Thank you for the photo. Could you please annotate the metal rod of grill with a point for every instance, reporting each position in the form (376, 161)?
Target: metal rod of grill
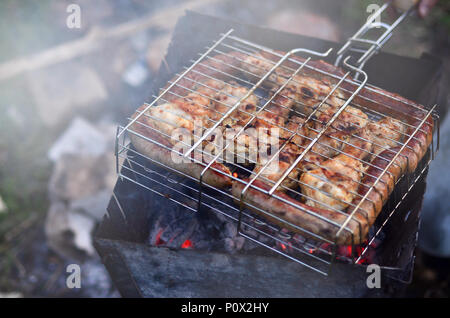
(375, 45)
(351, 215)
(177, 80)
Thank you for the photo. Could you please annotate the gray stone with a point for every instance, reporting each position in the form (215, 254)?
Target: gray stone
(230, 229)
(69, 232)
(80, 138)
(229, 245)
(93, 205)
(63, 89)
(76, 177)
(3, 207)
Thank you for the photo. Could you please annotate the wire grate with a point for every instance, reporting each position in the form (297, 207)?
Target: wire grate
(319, 115)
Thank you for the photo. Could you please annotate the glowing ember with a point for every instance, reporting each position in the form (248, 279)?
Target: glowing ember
(187, 244)
(158, 240)
(347, 252)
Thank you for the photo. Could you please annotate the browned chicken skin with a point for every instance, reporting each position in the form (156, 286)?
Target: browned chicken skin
(329, 173)
(290, 141)
(306, 93)
(331, 170)
(335, 183)
(385, 133)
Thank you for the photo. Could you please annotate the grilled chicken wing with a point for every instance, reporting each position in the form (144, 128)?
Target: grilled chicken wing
(290, 141)
(185, 119)
(242, 129)
(335, 182)
(385, 133)
(306, 93)
(328, 146)
(171, 127)
(227, 97)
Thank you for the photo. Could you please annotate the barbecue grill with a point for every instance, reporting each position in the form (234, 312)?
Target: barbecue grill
(315, 251)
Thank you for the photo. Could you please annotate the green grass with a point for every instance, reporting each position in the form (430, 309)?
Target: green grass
(26, 27)
(24, 170)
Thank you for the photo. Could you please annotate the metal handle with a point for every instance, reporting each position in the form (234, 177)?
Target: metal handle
(367, 47)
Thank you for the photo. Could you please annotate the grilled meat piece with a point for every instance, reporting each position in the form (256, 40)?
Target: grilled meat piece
(286, 148)
(335, 182)
(227, 97)
(335, 172)
(329, 145)
(306, 94)
(385, 133)
(177, 124)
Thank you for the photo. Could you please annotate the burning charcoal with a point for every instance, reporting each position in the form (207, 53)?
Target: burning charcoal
(265, 239)
(249, 245)
(221, 218)
(229, 245)
(299, 238)
(230, 230)
(179, 231)
(200, 244)
(239, 242)
(172, 230)
(249, 231)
